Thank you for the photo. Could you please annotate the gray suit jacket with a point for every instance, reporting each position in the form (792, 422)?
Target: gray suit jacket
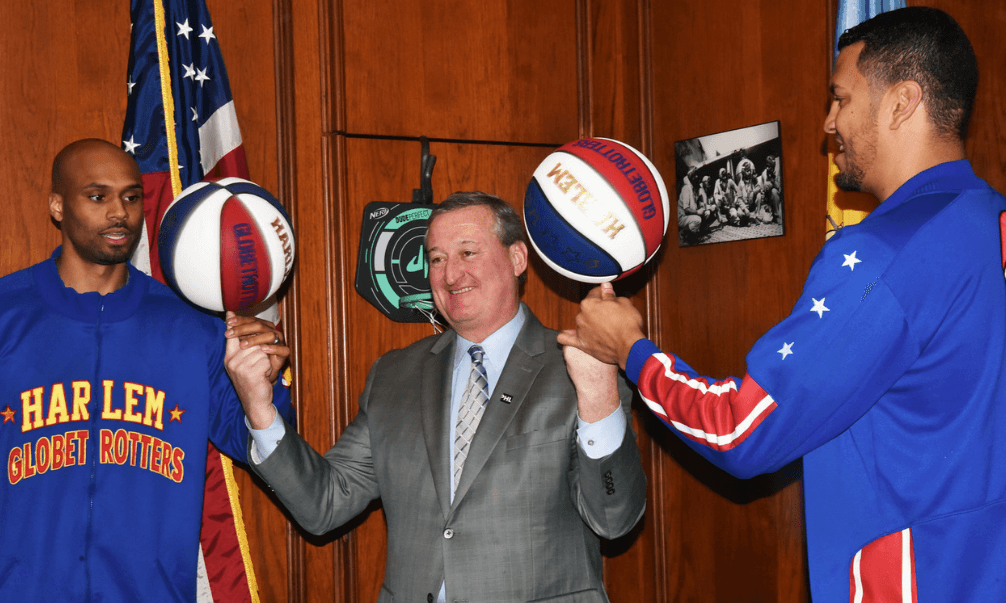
(530, 508)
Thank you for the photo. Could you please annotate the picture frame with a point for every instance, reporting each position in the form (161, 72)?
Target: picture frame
(730, 186)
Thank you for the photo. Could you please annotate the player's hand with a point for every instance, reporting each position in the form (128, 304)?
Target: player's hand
(595, 383)
(249, 331)
(606, 327)
(248, 368)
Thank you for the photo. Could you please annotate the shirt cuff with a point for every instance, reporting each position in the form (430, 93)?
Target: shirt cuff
(601, 438)
(264, 441)
(638, 355)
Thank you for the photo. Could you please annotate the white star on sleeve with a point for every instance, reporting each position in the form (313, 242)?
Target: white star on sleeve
(207, 34)
(130, 145)
(201, 76)
(190, 70)
(851, 260)
(787, 349)
(183, 29)
(819, 307)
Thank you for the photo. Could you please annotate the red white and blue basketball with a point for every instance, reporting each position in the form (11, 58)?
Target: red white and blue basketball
(596, 210)
(225, 245)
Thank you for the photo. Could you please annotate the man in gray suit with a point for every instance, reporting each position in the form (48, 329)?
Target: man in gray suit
(498, 470)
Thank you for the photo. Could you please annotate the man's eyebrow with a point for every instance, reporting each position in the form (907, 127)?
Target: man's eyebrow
(100, 186)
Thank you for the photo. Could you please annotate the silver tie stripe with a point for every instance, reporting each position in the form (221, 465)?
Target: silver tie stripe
(473, 404)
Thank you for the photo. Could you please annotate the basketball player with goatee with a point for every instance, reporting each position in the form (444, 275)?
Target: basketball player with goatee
(889, 376)
(110, 388)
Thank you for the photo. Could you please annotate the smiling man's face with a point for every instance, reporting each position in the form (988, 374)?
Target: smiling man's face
(852, 120)
(474, 277)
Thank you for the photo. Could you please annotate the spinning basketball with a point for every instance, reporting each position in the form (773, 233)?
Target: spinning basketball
(225, 244)
(596, 210)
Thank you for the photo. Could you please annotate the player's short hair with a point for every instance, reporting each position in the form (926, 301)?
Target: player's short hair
(923, 45)
(59, 176)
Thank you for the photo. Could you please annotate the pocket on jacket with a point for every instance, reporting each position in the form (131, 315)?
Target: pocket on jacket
(592, 595)
(535, 438)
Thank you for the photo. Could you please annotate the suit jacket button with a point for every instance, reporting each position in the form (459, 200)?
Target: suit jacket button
(429, 598)
(448, 533)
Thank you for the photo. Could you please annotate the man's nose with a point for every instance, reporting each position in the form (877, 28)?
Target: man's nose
(829, 120)
(115, 208)
(452, 270)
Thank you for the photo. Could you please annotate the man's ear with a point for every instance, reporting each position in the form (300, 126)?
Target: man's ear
(56, 206)
(907, 96)
(518, 257)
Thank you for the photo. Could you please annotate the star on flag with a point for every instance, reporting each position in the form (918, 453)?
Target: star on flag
(184, 29)
(207, 34)
(851, 260)
(787, 349)
(201, 76)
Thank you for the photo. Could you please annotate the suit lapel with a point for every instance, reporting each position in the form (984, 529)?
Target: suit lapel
(519, 372)
(435, 397)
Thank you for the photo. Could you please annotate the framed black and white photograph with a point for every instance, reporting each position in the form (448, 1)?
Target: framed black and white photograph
(729, 186)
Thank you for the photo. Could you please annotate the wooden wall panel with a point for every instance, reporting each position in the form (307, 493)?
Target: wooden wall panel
(503, 70)
(719, 66)
(58, 84)
(311, 188)
(615, 49)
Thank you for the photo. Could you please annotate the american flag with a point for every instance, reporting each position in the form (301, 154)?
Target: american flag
(181, 127)
(180, 121)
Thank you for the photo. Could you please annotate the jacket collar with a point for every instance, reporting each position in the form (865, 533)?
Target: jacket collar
(88, 307)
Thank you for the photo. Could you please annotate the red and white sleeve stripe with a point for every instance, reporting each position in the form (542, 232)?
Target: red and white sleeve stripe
(884, 571)
(719, 414)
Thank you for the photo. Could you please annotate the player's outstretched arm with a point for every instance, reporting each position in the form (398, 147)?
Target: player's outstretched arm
(606, 327)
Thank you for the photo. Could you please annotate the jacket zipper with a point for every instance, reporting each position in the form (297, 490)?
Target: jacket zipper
(93, 486)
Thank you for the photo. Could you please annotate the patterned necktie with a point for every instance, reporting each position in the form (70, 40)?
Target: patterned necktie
(473, 404)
